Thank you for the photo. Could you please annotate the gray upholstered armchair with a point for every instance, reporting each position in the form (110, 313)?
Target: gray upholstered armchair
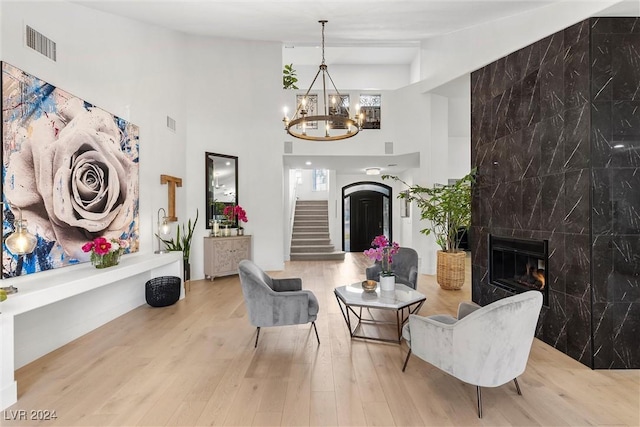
(484, 346)
(276, 302)
(404, 266)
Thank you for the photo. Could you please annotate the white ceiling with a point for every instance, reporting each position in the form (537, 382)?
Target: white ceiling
(394, 27)
(351, 22)
(358, 32)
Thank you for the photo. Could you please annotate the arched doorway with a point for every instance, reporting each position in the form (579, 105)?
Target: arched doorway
(366, 213)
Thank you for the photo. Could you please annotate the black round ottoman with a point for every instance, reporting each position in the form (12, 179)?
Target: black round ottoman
(162, 291)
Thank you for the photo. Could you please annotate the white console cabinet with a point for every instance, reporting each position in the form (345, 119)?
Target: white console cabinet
(223, 254)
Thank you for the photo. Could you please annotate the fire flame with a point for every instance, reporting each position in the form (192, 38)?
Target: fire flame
(539, 276)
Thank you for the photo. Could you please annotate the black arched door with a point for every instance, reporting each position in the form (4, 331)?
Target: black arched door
(366, 210)
(366, 219)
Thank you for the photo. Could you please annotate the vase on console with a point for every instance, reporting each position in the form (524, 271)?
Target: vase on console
(105, 253)
(104, 261)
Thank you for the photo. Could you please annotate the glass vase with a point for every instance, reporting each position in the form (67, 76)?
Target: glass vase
(107, 260)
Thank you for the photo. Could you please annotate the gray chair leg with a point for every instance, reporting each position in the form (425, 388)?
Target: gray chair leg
(257, 335)
(479, 393)
(316, 329)
(406, 360)
(515, 380)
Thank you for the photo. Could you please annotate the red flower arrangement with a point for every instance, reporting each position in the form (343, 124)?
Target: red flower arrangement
(105, 253)
(233, 212)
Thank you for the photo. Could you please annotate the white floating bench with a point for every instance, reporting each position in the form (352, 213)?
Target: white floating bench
(55, 307)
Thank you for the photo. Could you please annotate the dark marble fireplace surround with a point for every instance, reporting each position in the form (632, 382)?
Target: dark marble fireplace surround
(556, 140)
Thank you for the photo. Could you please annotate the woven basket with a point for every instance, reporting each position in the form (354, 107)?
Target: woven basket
(450, 272)
(162, 291)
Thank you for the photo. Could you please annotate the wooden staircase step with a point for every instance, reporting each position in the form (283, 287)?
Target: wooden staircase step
(310, 241)
(318, 256)
(310, 235)
(311, 249)
(310, 223)
(309, 228)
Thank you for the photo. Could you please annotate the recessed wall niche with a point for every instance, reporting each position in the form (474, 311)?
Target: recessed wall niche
(556, 140)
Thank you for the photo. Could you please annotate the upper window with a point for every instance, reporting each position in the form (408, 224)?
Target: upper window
(370, 110)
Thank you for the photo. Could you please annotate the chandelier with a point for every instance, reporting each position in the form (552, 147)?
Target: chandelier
(335, 126)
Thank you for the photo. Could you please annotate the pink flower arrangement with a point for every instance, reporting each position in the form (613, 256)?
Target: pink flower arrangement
(231, 212)
(105, 253)
(383, 251)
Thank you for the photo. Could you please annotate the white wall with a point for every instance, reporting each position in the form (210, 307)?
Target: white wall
(132, 70)
(459, 157)
(305, 191)
(233, 102)
(137, 75)
(364, 77)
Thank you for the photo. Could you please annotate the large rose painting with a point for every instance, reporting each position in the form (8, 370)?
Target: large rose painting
(70, 167)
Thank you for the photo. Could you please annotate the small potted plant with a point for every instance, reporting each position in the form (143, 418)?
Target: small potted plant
(182, 242)
(448, 210)
(383, 252)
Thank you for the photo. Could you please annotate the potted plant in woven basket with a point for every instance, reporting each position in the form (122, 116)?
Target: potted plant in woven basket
(448, 210)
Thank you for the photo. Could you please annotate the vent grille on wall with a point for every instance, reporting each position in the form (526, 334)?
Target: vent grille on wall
(40, 43)
(171, 123)
(288, 147)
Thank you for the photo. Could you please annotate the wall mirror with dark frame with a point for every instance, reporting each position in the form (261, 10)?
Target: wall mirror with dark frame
(221, 174)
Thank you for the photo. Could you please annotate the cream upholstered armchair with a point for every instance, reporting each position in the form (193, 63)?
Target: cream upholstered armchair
(276, 302)
(404, 267)
(484, 346)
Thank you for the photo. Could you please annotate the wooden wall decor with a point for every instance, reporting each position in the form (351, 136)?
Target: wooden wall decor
(173, 182)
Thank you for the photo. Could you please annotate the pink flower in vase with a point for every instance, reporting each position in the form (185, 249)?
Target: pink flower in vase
(383, 251)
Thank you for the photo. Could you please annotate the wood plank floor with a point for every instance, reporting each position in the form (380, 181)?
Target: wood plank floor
(194, 364)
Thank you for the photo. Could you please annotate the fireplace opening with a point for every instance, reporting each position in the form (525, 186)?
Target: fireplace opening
(519, 265)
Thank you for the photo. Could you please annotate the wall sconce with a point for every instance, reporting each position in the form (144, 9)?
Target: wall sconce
(163, 230)
(20, 242)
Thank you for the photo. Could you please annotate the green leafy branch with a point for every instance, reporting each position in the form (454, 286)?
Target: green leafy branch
(446, 207)
(289, 78)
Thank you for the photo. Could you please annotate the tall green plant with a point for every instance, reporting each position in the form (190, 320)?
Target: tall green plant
(182, 242)
(289, 78)
(446, 207)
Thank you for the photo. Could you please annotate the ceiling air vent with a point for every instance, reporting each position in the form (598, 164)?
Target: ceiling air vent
(171, 123)
(41, 44)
